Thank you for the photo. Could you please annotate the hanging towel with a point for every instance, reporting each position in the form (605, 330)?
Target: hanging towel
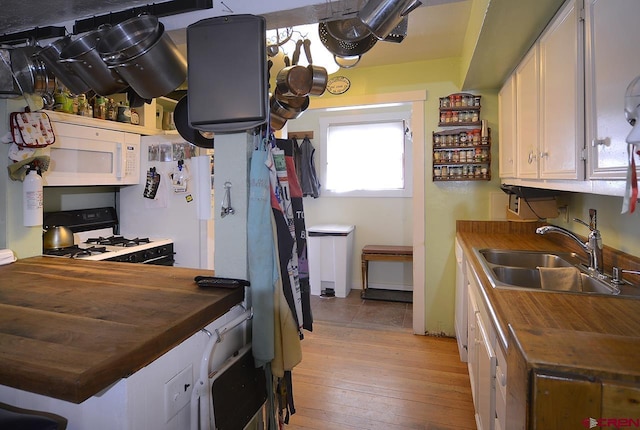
(290, 148)
(263, 269)
(560, 278)
(309, 182)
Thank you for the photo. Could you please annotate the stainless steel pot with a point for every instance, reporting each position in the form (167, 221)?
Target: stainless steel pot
(319, 75)
(382, 16)
(155, 71)
(57, 237)
(82, 56)
(50, 56)
(129, 38)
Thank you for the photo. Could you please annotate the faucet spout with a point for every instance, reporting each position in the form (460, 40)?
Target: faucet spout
(593, 246)
(555, 229)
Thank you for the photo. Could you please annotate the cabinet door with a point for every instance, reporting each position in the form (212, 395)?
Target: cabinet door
(507, 132)
(563, 402)
(472, 344)
(486, 377)
(561, 112)
(461, 325)
(612, 62)
(527, 119)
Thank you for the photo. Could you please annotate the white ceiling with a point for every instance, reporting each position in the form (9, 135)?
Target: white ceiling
(441, 23)
(436, 29)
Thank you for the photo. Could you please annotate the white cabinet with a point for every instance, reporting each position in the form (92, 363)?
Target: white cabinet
(507, 131)
(613, 60)
(460, 321)
(481, 357)
(561, 103)
(548, 102)
(527, 115)
(486, 360)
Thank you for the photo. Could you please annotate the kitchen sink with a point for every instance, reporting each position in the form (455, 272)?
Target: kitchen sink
(529, 259)
(518, 269)
(516, 277)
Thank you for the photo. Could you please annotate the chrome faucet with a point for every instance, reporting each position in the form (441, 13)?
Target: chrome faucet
(593, 246)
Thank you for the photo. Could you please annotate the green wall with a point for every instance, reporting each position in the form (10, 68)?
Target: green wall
(444, 202)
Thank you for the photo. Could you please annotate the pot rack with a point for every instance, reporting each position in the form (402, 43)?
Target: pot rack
(168, 8)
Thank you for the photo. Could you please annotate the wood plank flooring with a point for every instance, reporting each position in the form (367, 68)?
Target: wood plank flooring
(377, 375)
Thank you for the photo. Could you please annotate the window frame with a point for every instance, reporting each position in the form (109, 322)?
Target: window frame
(382, 114)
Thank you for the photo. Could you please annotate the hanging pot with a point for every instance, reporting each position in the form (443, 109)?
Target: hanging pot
(155, 71)
(294, 80)
(57, 237)
(50, 56)
(202, 139)
(129, 38)
(277, 122)
(286, 111)
(382, 16)
(343, 48)
(82, 56)
(319, 75)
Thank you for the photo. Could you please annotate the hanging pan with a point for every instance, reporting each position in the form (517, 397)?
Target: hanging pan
(202, 139)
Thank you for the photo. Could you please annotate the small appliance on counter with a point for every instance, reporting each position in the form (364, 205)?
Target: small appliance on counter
(94, 239)
(530, 204)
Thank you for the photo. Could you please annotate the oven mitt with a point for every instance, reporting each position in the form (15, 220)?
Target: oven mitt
(213, 281)
(18, 171)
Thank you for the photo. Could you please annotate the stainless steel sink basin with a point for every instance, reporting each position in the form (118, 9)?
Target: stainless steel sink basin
(518, 269)
(515, 277)
(529, 259)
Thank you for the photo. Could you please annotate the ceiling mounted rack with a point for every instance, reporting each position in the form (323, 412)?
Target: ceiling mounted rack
(33, 34)
(168, 8)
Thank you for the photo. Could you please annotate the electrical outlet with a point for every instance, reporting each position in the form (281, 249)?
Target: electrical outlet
(177, 392)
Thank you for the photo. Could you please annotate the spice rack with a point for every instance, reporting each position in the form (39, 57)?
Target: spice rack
(463, 153)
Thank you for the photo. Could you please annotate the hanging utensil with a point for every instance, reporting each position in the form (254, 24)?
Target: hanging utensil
(226, 201)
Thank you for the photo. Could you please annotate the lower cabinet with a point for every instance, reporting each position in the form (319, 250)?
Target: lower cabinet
(485, 361)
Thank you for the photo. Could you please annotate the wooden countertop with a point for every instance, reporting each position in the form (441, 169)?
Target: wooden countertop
(584, 333)
(70, 328)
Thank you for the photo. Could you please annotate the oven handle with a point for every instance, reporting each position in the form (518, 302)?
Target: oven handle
(168, 258)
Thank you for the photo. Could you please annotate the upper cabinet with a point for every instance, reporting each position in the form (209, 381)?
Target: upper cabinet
(507, 131)
(569, 100)
(548, 102)
(561, 104)
(612, 36)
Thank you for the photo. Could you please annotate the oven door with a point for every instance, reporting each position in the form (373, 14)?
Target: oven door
(90, 156)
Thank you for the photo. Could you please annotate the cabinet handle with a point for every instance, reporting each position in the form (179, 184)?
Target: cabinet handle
(544, 154)
(501, 377)
(531, 158)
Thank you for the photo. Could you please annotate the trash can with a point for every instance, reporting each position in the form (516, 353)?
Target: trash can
(330, 259)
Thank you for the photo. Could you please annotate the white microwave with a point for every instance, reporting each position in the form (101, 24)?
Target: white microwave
(83, 155)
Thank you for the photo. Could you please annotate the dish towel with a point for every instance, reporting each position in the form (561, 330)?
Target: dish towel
(560, 278)
(6, 256)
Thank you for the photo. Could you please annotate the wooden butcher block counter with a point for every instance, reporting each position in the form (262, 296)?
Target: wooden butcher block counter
(595, 334)
(70, 328)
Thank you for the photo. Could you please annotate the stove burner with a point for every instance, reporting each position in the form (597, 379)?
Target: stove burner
(118, 241)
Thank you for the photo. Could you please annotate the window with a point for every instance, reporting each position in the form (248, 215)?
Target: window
(366, 155)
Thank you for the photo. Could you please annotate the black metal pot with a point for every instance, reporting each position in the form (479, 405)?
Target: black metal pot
(82, 56)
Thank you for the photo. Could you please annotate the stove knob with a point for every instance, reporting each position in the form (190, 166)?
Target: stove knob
(132, 258)
(148, 255)
(162, 250)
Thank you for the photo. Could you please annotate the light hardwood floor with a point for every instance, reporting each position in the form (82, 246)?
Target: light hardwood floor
(377, 375)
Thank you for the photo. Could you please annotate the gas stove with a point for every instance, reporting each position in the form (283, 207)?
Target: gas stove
(95, 239)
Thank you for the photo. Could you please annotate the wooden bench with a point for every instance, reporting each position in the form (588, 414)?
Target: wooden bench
(382, 253)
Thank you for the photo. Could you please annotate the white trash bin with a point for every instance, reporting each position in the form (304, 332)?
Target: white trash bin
(330, 257)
